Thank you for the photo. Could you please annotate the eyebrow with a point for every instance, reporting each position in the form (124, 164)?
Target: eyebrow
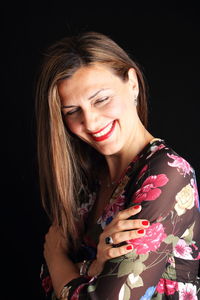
(96, 93)
(92, 96)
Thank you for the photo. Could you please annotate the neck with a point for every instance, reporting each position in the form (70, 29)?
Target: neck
(117, 163)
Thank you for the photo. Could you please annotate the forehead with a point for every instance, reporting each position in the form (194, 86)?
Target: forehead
(87, 79)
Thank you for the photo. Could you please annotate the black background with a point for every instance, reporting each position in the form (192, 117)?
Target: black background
(162, 37)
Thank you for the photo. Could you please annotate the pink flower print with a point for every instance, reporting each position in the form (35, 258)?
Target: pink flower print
(182, 250)
(86, 207)
(118, 204)
(180, 163)
(154, 149)
(194, 246)
(149, 189)
(187, 291)
(114, 207)
(76, 293)
(47, 284)
(198, 257)
(144, 169)
(196, 195)
(167, 286)
(196, 249)
(111, 210)
(151, 241)
(171, 261)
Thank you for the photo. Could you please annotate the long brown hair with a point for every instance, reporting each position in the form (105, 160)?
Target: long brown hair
(64, 160)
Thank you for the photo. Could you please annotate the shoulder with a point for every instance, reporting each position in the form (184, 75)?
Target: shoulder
(162, 171)
(162, 156)
(164, 182)
(159, 164)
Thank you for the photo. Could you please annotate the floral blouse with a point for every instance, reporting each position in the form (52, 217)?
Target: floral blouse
(164, 262)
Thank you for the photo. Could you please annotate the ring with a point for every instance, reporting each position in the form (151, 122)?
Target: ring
(109, 240)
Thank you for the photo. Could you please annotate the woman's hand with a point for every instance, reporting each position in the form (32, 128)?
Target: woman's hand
(55, 244)
(60, 267)
(120, 230)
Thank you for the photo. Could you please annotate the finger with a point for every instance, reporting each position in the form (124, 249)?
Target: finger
(125, 214)
(120, 237)
(124, 225)
(116, 252)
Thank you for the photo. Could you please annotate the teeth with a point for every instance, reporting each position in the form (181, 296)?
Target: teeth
(103, 132)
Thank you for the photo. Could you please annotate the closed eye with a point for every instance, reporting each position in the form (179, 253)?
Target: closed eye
(72, 111)
(101, 100)
(77, 109)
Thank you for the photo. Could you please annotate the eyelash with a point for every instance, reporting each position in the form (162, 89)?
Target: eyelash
(69, 113)
(101, 100)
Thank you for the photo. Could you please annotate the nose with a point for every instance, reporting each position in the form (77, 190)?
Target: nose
(89, 120)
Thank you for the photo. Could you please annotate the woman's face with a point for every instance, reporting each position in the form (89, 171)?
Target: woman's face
(99, 107)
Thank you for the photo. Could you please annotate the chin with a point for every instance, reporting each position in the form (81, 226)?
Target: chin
(109, 150)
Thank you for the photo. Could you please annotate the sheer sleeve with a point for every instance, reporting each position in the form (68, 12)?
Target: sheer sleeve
(166, 188)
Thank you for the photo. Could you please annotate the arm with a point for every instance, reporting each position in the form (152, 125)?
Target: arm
(167, 196)
(161, 189)
(62, 270)
(60, 267)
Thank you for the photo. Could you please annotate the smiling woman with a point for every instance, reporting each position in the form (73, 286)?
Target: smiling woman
(124, 206)
(107, 120)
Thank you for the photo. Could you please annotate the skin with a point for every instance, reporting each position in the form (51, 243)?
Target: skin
(63, 270)
(92, 99)
(87, 116)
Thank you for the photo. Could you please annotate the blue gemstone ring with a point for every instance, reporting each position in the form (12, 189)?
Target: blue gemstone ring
(109, 240)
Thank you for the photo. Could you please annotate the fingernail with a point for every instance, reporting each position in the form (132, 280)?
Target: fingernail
(129, 247)
(136, 206)
(140, 231)
(145, 223)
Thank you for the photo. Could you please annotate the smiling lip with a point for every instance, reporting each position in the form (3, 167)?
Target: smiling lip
(106, 135)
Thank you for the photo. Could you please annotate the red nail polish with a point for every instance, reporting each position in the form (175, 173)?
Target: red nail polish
(140, 231)
(130, 247)
(136, 206)
(145, 223)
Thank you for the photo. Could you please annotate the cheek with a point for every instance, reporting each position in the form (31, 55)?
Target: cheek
(122, 110)
(72, 126)
(116, 110)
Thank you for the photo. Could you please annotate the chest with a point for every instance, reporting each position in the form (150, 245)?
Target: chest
(103, 197)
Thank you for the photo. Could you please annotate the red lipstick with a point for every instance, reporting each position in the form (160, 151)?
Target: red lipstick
(105, 136)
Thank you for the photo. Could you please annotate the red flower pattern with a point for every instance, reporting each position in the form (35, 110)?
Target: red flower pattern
(149, 189)
(167, 286)
(151, 241)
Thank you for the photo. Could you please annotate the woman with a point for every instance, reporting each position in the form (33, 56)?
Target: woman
(123, 204)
